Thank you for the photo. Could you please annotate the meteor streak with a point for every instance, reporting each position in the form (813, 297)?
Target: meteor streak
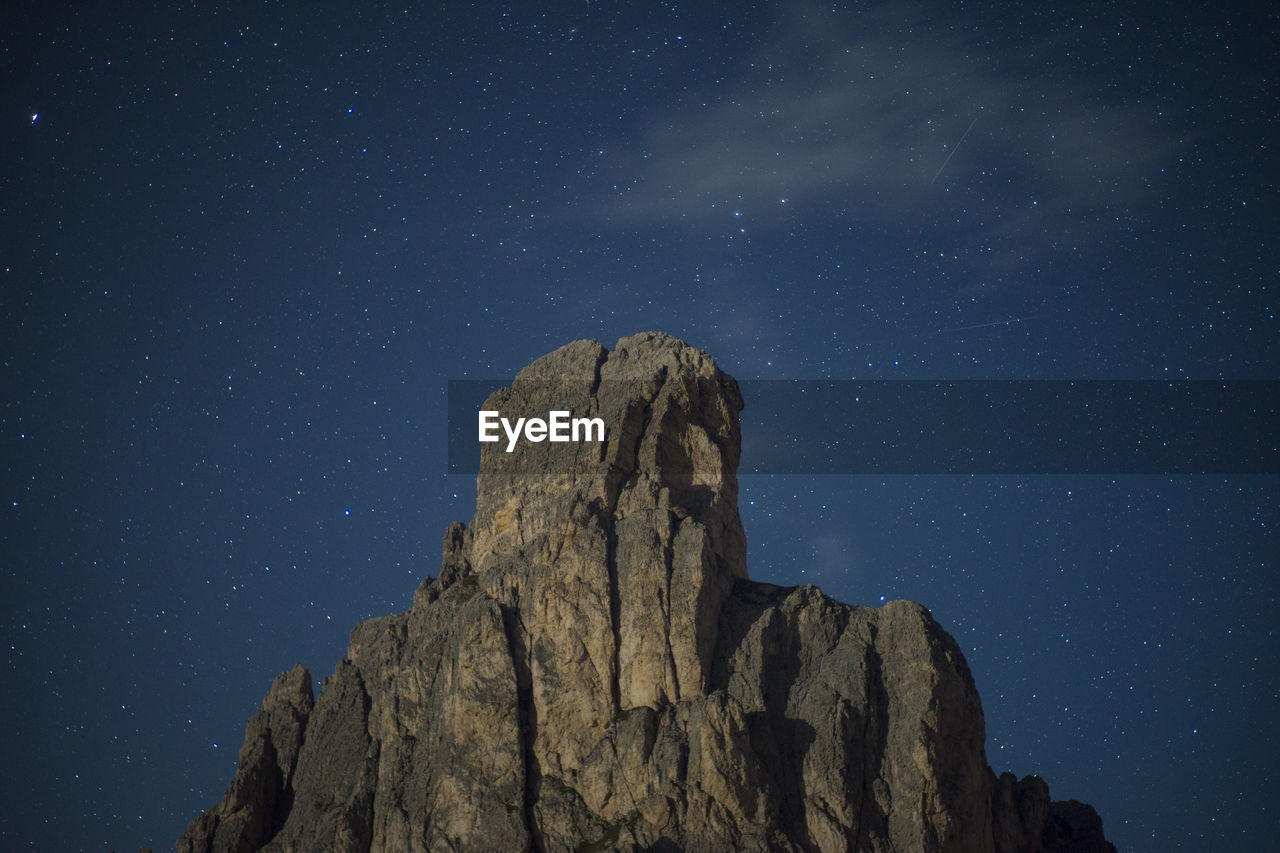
(953, 150)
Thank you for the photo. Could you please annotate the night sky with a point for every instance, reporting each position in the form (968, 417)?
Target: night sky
(244, 247)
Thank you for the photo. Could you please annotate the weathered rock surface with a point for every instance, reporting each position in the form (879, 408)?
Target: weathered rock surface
(593, 670)
(260, 798)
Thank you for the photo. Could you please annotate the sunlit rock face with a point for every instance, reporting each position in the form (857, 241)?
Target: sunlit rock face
(593, 669)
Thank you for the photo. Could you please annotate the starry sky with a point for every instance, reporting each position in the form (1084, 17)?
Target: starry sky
(245, 246)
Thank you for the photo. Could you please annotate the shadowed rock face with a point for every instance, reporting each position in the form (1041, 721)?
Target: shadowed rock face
(592, 670)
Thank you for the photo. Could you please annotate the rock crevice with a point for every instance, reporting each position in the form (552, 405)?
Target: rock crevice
(592, 669)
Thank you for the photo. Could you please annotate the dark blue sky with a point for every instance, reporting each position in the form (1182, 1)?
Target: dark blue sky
(245, 246)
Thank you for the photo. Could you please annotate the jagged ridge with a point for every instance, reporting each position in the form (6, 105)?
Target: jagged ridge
(592, 669)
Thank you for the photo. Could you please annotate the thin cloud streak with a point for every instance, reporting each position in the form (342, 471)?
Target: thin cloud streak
(863, 118)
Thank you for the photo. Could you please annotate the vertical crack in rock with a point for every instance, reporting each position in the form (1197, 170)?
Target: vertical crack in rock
(593, 669)
(527, 723)
(664, 599)
(601, 356)
(874, 724)
(615, 606)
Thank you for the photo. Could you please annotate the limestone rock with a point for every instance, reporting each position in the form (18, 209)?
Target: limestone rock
(260, 798)
(592, 669)
(1075, 827)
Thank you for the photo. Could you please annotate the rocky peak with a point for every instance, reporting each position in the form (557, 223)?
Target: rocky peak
(592, 669)
(671, 448)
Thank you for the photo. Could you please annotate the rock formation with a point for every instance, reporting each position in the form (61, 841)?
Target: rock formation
(593, 670)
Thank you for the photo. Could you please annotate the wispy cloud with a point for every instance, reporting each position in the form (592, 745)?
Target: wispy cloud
(865, 117)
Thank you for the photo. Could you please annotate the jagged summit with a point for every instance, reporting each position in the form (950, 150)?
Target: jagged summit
(592, 669)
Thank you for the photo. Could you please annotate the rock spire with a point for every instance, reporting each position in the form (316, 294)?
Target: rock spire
(592, 669)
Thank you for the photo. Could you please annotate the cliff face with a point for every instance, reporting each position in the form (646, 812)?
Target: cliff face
(592, 670)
